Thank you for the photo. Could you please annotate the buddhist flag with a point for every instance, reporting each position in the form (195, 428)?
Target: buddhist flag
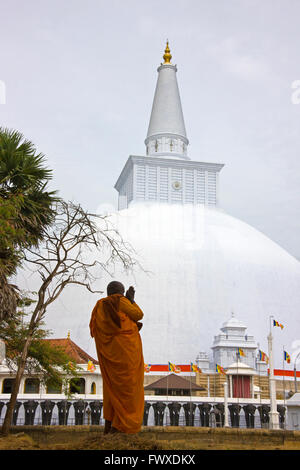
(220, 369)
(91, 367)
(173, 368)
(262, 356)
(71, 365)
(147, 367)
(240, 352)
(275, 323)
(194, 368)
(286, 357)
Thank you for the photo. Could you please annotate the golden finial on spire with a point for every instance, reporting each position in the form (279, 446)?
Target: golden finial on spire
(68, 334)
(167, 56)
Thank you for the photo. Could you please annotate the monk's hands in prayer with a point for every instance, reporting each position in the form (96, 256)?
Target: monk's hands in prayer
(130, 294)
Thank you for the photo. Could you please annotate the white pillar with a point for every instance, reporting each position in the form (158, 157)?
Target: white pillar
(43, 388)
(273, 415)
(230, 385)
(252, 386)
(226, 421)
(22, 385)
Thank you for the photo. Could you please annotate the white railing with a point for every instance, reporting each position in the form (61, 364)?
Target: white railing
(164, 418)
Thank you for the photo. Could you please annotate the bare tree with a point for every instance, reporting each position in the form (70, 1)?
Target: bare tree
(67, 256)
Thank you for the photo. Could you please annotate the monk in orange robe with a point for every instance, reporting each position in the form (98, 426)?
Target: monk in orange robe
(115, 327)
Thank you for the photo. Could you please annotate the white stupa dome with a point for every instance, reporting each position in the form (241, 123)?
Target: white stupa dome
(233, 324)
(203, 264)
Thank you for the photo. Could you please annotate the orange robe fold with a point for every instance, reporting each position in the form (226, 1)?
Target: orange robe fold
(121, 360)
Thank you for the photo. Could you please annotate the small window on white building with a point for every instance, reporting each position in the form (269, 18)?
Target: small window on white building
(54, 388)
(7, 385)
(32, 386)
(77, 385)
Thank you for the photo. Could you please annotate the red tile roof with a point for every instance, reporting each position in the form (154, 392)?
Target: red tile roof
(74, 351)
(165, 367)
(173, 382)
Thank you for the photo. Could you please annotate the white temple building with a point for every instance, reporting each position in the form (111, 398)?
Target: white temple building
(200, 264)
(225, 346)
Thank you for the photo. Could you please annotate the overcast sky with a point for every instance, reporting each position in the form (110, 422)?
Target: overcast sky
(80, 80)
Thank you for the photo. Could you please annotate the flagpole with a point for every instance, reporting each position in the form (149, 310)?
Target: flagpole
(237, 381)
(283, 361)
(40, 390)
(226, 421)
(215, 384)
(168, 384)
(190, 390)
(295, 372)
(273, 414)
(259, 382)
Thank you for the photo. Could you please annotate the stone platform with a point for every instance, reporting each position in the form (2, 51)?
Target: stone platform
(168, 437)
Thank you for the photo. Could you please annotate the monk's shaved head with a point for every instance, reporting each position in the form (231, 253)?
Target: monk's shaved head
(115, 287)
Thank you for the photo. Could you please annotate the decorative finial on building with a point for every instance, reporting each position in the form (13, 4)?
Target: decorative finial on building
(68, 334)
(167, 55)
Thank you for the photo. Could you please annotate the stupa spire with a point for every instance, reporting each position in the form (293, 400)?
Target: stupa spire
(167, 55)
(166, 132)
